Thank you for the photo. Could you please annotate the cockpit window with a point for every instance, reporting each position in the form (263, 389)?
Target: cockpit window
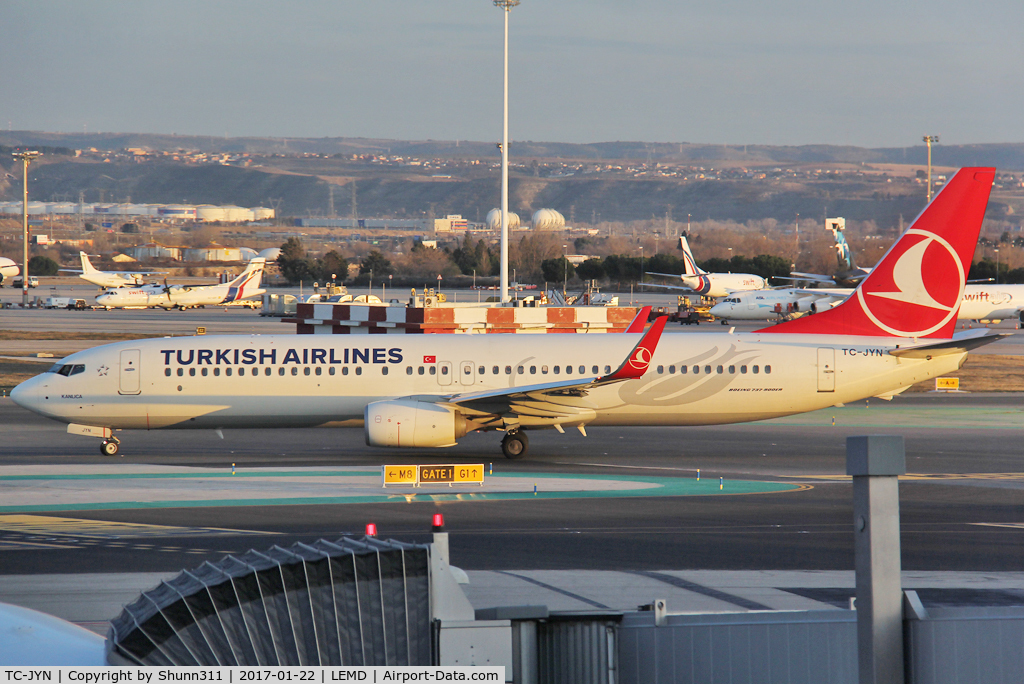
(68, 369)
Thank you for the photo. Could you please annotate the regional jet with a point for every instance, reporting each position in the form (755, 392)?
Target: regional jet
(165, 296)
(430, 390)
(698, 281)
(108, 279)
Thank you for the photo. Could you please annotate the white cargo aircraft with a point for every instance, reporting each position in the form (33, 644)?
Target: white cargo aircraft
(107, 279)
(8, 270)
(246, 284)
(698, 281)
(430, 390)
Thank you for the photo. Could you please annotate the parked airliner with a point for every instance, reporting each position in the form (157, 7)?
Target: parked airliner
(698, 281)
(246, 284)
(105, 279)
(430, 390)
(8, 270)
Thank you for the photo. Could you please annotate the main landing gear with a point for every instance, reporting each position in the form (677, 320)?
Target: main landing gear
(515, 444)
(110, 446)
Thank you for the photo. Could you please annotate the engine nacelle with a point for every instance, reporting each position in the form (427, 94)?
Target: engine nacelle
(408, 423)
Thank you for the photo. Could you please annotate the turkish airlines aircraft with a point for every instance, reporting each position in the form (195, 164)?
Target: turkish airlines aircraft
(108, 278)
(430, 390)
(8, 269)
(699, 281)
(246, 284)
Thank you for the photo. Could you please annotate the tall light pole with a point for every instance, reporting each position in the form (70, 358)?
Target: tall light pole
(565, 266)
(26, 159)
(928, 140)
(997, 265)
(506, 6)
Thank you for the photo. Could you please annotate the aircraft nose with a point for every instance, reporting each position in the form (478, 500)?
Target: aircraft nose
(24, 394)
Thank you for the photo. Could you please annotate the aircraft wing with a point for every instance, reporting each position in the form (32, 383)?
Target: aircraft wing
(815, 277)
(665, 275)
(555, 399)
(669, 287)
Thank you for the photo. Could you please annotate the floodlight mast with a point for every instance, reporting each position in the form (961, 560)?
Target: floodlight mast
(928, 140)
(26, 158)
(507, 6)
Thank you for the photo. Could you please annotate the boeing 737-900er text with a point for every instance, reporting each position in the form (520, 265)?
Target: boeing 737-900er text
(246, 284)
(430, 390)
(698, 281)
(107, 279)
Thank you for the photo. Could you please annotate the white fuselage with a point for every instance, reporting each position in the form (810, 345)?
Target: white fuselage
(8, 269)
(303, 380)
(111, 279)
(155, 295)
(980, 302)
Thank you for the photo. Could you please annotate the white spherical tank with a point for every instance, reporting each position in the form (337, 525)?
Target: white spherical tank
(210, 212)
(271, 253)
(548, 220)
(247, 253)
(494, 220)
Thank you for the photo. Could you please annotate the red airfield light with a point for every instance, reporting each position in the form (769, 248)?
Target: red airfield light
(438, 525)
(371, 530)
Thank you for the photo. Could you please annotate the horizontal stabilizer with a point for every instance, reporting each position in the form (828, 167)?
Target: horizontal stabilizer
(958, 345)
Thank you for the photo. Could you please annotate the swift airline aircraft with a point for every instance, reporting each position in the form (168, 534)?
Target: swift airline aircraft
(246, 284)
(698, 281)
(95, 276)
(8, 270)
(430, 390)
(849, 273)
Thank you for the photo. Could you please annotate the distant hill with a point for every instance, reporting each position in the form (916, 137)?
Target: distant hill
(1006, 156)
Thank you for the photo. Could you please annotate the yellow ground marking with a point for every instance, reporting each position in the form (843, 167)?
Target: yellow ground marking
(104, 529)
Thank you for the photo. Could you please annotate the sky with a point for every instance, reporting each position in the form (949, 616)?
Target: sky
(868, 73)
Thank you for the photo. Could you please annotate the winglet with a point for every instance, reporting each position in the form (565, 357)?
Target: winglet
(639, 359)
(639, 321)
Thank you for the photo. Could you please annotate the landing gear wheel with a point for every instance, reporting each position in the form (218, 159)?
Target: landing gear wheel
(109, 447)
(515, 444)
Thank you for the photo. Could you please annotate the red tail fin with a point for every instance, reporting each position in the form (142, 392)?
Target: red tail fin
(639, 321)
(915, 289)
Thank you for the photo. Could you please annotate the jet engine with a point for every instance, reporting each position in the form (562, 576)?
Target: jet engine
(409, 423)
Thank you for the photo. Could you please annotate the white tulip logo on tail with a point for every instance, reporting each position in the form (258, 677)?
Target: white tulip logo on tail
(922, 291)
(641, 358)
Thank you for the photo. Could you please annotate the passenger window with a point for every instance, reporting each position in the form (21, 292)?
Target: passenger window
(767, 369)
(468, 370)
(280, 371)
(383, 370)
(444, 370)
(595, 371)
(743, 370)
(533, 370)
(720, 370)
(682, 369)
(508, 370)
(732, 370)
(433, 370)
(359, 370)
(192, 372)
(305, 371)
(227, 372)
(319, 370)
(696, 370)
(707, 370)
(544, 370)
(521, 370)
(330, 371)
(756, 370)
(268, 370)
(494, 370)
(420, 371)
(216, 372)
(408, 370)
(167, 372)
(295, 370)
(607, 370)
(661, 370)
(556, 370)
(344, 371)
(482, 370)
(583, 370)
(671, 370)
(204, 372)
